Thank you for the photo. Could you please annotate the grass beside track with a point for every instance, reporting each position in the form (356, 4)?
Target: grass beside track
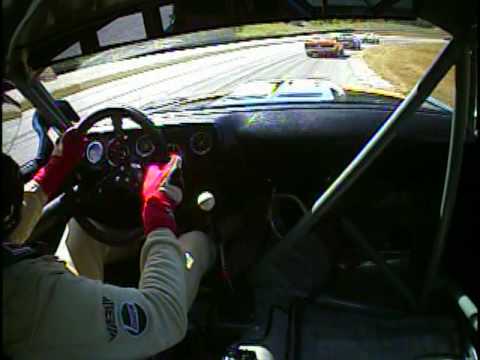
(403, 65)
(382, 27)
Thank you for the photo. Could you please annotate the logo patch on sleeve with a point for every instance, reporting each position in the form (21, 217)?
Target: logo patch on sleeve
(109, 308)
(133, 318)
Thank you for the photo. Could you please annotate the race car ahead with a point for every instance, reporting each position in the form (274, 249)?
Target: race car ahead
(324, 48)
(349, 41)
(370, 38)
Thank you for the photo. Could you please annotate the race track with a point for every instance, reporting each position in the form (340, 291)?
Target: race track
(198, 77)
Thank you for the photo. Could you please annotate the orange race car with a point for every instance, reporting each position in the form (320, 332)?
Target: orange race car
(324, 48)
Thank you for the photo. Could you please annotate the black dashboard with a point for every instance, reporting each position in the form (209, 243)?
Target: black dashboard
(135, 149)
(112, 169)
(242, 156)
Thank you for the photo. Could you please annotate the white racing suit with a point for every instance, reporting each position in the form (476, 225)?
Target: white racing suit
(51, 313)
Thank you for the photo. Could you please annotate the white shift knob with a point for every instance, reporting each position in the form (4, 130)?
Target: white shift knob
(206, 201)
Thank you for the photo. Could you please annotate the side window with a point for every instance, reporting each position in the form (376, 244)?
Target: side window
(168, 17)
(18, 139)
(72, 51)
(124, 29)
(21, 129)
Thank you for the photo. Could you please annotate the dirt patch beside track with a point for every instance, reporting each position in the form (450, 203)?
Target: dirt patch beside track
(403, 65)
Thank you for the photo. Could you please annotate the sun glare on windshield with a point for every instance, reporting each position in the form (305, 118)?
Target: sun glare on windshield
(287, 63)
(388, 55)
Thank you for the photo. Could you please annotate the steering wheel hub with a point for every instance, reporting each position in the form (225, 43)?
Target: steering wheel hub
(121, 175)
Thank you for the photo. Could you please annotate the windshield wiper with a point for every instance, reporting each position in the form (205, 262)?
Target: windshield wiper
(181, 101)
(161, 106)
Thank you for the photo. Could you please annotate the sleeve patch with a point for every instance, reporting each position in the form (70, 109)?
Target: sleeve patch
(109, 308)
(133, 318)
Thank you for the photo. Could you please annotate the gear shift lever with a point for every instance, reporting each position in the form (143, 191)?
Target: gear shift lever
(206, 202)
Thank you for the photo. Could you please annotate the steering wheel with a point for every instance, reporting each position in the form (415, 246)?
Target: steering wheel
(101, 232)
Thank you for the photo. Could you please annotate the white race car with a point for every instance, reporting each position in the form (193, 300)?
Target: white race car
(371, 38)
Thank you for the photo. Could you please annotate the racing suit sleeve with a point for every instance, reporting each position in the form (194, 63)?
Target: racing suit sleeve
(47, 181)
(34, 200)
(200, 252)
(82, 318)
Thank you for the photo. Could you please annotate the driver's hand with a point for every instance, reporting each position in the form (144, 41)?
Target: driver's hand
(65, 157)
(161, 193)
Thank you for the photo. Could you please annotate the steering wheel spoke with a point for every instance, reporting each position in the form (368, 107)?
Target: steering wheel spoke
(117, 122)
(103, 232)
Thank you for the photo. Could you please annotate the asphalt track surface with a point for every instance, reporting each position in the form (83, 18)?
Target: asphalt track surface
(221, 72)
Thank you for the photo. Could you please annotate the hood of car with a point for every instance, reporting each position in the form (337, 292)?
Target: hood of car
(282, 91)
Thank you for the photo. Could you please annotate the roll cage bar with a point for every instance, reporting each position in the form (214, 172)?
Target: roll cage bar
(461, 53)
(30, 86)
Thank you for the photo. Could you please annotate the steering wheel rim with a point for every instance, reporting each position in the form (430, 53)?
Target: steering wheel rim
(101, 232)
(135, 115)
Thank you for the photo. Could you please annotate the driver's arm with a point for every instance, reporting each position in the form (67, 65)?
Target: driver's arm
(161, 193)
(34, 199)
(55, 314)
(81, 318)
(47, 182)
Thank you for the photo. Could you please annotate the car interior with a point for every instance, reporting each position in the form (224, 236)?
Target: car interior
(326, 216)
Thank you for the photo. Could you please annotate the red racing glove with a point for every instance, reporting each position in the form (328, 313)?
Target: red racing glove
(65, 157)
(161, 193)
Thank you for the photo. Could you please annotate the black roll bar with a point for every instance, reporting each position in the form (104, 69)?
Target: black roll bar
(272, 262)
(357, 237)
(42, 100)
(454, 165)
(384, 135)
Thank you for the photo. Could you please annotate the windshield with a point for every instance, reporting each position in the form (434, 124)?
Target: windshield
(387, 55)
(298, 62)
